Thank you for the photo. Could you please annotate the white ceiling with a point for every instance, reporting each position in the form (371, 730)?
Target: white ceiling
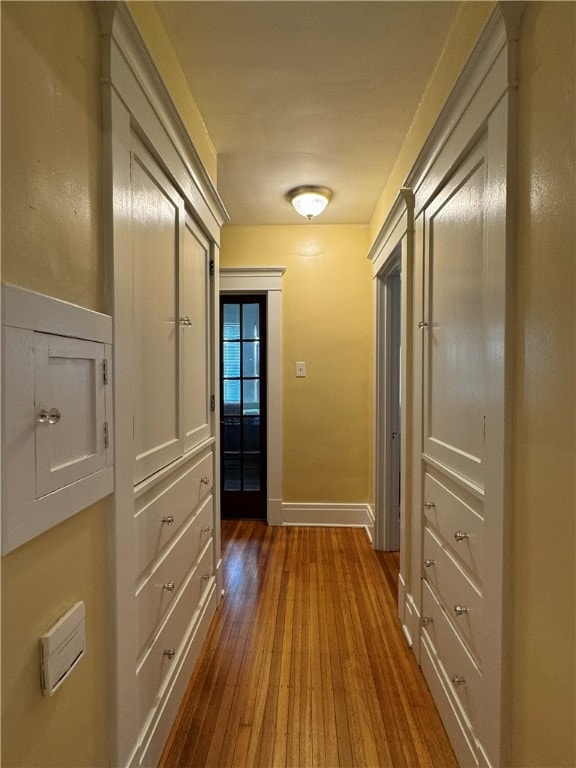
(306, 92)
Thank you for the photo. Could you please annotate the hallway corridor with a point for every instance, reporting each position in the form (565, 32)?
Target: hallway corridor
(305, 663)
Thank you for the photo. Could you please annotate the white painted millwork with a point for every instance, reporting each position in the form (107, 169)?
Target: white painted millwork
(57, 412)
(453, 583)
(164, 222)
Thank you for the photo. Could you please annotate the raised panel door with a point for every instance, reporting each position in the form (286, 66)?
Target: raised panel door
(157, 218)
(454, 344)
(195, 335)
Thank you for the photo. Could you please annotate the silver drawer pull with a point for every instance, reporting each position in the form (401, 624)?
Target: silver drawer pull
(205, 529)
(461, 536)
(429, 563)
(185, 322)
(169, 586)
(169, 653)
(205, 480)
(52, 416)
(458, 680)
(429, 504)
(168, 520)
(426, 620)
(460, 610)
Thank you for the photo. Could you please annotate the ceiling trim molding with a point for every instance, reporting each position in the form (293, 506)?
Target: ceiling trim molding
(490, 72)
(127, 63)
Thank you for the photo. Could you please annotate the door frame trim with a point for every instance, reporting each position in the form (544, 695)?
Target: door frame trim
(267, 281)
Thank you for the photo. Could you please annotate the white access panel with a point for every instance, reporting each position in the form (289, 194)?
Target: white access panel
(57, 410)
(70, 410)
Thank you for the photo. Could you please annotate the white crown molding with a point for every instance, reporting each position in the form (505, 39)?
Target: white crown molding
(129, 68)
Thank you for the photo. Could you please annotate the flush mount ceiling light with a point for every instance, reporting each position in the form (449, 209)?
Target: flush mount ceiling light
(309, 201)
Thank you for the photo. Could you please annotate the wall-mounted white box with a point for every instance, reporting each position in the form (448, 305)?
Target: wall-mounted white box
(57, 412)
(61, 648)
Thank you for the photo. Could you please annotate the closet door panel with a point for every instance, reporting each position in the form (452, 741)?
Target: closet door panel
(454, 347)
(156, 223)
(195, 286)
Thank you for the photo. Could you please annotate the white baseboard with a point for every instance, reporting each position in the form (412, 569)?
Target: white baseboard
(348, 515)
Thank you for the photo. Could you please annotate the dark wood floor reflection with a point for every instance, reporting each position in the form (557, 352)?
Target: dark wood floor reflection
(305, 664)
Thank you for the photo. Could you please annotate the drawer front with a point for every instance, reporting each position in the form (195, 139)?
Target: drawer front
(463, 676)
(463, 602)
(456, 522)
(161, 587)
(162, 510)
(461, 739)
(163, 654)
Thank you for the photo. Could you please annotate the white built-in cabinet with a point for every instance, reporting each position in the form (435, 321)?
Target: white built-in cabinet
(452, 226)
(165, 219)
(172, 320)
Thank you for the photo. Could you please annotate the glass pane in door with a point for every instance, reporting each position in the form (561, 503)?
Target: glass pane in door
(242, 407)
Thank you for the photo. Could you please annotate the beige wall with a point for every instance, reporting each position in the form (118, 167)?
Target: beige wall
(52, 243)
(544, 647)
(327, 322)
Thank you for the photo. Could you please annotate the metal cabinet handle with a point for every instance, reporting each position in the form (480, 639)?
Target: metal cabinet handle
(169, 653)
(205, 480)
(461, 536)
(205, 576)
(205, 529)
(460, 610)
(185, 321)
(426, 620)
(168, 586)
(458, 680)
(429, 504)
(428, 563)
(52, 416)
(422, 324)
(168, 520)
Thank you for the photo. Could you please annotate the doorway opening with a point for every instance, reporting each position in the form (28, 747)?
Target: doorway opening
(243, 407)
(389, 408)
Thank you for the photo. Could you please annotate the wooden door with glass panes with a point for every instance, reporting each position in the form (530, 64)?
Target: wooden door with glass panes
(243, 406)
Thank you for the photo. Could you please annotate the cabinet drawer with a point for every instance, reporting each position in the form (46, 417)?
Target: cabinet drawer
(460, 597)
(165, 507)
(462, 675)
(450, 515)
(461, 738)
(164, 653)
(158, 590)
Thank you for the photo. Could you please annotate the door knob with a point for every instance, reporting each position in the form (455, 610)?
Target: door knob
(52, 416)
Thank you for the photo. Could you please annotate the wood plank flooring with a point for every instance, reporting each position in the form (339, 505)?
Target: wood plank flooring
(305, 664)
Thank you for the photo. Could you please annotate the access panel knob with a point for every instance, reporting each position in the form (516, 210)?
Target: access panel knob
(52, 416)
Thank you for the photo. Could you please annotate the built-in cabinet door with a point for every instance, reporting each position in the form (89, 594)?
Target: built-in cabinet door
(195, 335)
(156, 229)
(70, 410)
(455, 337)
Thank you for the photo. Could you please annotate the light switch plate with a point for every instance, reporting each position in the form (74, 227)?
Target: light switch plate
(61, 648)
(300, 370)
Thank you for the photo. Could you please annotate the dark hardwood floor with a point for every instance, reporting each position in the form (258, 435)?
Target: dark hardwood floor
(305, 664)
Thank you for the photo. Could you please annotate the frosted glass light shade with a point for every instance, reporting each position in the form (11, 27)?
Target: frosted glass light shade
(309, 201)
